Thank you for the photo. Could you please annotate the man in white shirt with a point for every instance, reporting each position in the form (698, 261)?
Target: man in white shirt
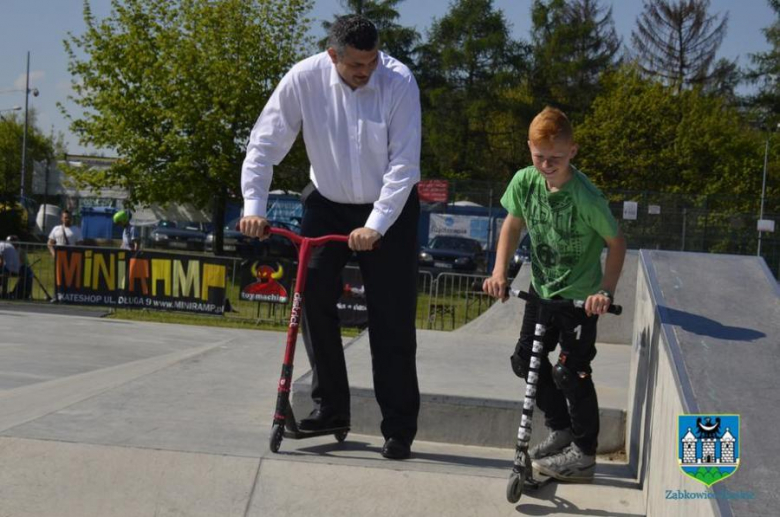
(360, 113)
(64, 234)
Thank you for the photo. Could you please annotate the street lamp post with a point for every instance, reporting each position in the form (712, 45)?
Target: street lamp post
(27, 92)
(763, 190)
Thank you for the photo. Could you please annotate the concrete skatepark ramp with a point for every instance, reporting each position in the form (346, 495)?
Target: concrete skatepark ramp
(470, 395)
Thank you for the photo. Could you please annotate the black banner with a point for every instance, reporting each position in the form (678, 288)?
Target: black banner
(143, 279)
(267, 281)
(353, 311)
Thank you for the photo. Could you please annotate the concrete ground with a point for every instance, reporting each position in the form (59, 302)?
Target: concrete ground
(114, 418)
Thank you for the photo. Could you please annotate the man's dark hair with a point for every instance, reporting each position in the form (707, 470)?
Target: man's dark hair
(65, 211)
(353, 30)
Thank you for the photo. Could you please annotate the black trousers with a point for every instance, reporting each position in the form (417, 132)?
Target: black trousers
(578, 406)
(390, 280)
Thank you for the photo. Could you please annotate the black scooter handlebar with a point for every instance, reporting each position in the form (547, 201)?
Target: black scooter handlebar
(617, 310)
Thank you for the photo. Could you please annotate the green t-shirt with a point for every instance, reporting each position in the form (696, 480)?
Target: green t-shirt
(567, 230)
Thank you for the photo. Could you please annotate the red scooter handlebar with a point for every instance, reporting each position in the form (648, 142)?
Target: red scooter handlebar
(297, 239)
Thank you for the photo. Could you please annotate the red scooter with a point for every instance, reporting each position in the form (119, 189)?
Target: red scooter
(284, 425)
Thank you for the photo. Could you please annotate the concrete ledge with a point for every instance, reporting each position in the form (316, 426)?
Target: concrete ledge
(505, 319)
(705, 342)
(469, 394)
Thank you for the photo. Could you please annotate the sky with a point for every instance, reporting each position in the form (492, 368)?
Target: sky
(40, 26)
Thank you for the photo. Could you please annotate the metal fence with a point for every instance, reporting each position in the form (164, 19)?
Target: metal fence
(709, 224)
(446, 300)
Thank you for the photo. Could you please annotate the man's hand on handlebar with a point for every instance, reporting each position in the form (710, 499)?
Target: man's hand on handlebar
(254, 226)
(363, 239)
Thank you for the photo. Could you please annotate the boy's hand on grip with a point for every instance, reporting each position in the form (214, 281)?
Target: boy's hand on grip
(597, 304)
(495, 286)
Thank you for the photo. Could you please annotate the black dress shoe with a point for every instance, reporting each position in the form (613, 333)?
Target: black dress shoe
(396, 449)
(322, 419)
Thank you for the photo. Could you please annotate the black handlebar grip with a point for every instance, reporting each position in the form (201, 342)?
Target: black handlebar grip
(617, 310)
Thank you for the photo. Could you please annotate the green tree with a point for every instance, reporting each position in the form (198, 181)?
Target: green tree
(767, 70)
(470, 72)
(40, 148)
(691, 152)
(174, 88)
(642, 135)
(574, 42)
(676, 41)
(394, 39)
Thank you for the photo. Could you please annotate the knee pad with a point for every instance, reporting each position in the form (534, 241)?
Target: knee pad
(567, 380)
(520, 364)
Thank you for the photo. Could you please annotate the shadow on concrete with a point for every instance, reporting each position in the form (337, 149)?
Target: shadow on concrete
(449, 459)
(563, 506)
(55, 308)
(702, 326)
(607, 474)
(615, 474)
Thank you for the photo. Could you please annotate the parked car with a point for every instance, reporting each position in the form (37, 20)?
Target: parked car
(522, 255)
(236, 243)
(184, 235)
(457, 253)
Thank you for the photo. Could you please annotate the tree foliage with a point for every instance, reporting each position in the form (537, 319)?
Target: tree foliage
(174, 88)
(469, 71)
(766, 73)
(642, 135)
(676, 41)
(574, 42)
(40, 148)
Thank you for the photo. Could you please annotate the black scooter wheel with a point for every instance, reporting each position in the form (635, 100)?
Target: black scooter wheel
(341, 436)
(514, 487)
(277, 433)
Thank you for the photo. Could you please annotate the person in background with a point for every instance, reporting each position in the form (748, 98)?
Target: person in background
(13, 263)
(65, 234)
(130, 239)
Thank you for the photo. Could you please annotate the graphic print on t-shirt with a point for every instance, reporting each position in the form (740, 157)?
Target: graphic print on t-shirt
(557, 246)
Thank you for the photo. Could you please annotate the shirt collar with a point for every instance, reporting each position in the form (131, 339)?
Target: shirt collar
(335, 78)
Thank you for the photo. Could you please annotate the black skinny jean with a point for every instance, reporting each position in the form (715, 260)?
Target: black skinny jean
(578, 407)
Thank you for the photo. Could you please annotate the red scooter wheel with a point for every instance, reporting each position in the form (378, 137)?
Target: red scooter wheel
(277, 433)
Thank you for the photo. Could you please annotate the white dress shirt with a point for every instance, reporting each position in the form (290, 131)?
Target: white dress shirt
(363, 144)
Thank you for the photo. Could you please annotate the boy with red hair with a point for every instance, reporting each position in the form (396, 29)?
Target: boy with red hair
(570, 222)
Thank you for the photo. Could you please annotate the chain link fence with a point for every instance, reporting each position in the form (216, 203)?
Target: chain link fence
(668, 221)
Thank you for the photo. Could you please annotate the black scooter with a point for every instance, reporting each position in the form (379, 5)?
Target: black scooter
(522, 473)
